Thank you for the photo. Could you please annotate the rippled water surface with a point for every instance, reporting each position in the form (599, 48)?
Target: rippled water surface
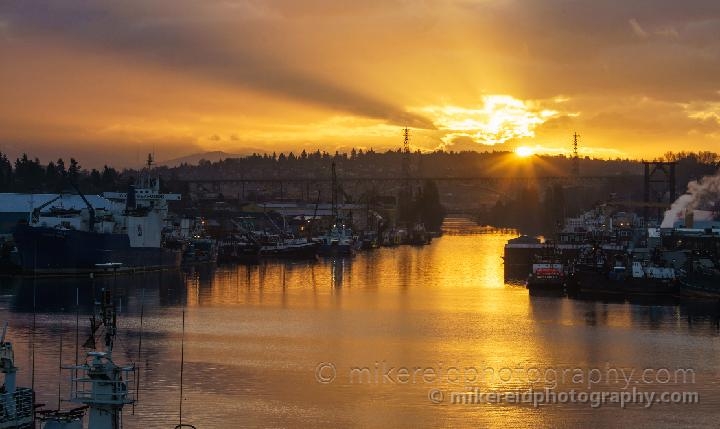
(382, 340)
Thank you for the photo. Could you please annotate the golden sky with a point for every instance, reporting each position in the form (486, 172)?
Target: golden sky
(107, 81)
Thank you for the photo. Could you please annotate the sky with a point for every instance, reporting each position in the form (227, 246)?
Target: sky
(109, 81)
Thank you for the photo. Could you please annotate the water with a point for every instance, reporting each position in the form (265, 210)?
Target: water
(260, 342)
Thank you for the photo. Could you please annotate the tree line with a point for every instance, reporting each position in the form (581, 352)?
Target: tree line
(30, 175)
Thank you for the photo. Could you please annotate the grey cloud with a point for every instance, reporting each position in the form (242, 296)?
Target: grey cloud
(664, 48)
(194, 38)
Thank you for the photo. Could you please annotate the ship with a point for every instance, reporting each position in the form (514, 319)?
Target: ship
(127, 235)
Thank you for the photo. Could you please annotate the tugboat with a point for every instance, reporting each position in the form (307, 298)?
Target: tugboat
(547, 275)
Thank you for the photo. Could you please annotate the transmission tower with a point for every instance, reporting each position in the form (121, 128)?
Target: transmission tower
(575, 158)
(406, 190)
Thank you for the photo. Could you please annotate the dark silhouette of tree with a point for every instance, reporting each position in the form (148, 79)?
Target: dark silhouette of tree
(29, 174)
(6, 173)
(109, 177)
(429, 207)
(96, 180)
(73, 171)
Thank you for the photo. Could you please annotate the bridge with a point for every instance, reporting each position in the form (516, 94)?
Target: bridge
(459, 194)
(307, 187)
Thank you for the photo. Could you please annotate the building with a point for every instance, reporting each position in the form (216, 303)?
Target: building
(16, 208)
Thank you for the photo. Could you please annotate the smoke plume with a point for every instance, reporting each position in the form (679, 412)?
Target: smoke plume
(702, 193)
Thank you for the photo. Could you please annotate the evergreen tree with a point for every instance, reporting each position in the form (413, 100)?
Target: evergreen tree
(6, 173)
(60, 167)
(431, 210)
(109, 178)
(73, 171)
(29, 173)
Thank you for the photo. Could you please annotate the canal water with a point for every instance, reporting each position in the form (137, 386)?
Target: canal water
(396, 337)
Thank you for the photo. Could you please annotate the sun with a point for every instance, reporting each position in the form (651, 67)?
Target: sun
(523, 151)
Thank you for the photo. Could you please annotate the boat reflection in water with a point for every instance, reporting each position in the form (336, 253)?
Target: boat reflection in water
(256, 335)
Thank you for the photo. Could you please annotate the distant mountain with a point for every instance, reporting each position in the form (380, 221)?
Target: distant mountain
(194, 159)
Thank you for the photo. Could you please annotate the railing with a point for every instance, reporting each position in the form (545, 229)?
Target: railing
(16, 409)
(101, 390)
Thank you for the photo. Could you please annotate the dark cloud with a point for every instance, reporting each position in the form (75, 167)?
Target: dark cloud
(663, 48)
(626, 68)
(194, 38)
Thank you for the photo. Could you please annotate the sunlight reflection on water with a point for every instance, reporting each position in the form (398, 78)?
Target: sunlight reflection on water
(256, 334)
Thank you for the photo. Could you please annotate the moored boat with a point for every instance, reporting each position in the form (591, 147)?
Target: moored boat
(547, 275)
(338, 241)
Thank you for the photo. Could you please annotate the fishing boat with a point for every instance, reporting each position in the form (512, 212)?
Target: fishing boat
(338, 241)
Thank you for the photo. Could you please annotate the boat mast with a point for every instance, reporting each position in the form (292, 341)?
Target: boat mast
(334, 193)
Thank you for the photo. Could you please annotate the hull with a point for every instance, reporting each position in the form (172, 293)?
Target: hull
(336, 249)
(202, 251)
(290, 251)
(238, 252)
(699, 287)
(591, 284)
(596, 284)
(55, 251)
(547, 285)
(547, 276)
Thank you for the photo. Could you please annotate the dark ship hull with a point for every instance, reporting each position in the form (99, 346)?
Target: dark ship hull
(597, 284)
(335, 249)
(57, 251)
(307, 250)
